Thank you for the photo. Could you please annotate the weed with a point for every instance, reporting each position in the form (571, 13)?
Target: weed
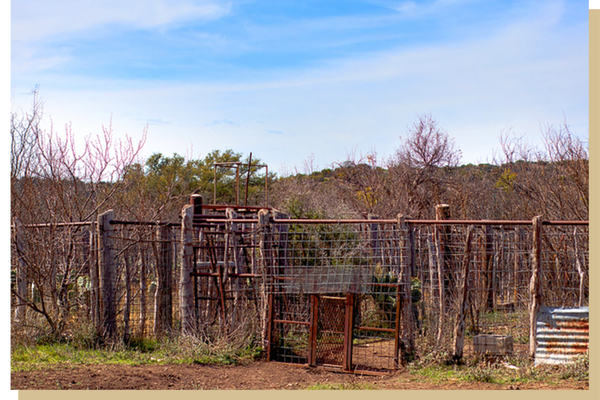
(143, 345)
(578, 370)
(480, 374)
(434, 372)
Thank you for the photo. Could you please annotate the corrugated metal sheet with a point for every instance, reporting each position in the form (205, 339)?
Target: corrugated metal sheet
(562, 334)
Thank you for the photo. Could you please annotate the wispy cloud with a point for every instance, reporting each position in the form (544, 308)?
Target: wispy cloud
(223, 122)
(44, 32)
(34, 20)
(366, 77)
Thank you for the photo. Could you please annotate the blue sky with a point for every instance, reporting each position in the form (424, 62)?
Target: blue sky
(285, 80)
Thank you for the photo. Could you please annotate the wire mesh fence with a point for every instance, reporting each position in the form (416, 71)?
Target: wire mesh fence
(56, 265)
(333, 258)
(357, 294)
(147, 269)
(498, 282)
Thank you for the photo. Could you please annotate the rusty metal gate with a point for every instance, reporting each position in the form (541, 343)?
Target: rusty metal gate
(312, 329)
(332, 341)
(327, 331)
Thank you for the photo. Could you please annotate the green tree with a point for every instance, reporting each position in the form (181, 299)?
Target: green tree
(161, 186)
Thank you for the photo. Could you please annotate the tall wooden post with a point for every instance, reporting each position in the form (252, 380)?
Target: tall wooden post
(580, 270)
(107, 276)
(442, 212)
(186, 284)
(463, 297)
(266, 296)
(535, 285)
(405, 292)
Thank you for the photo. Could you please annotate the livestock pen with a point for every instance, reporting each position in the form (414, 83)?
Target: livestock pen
(362, 295)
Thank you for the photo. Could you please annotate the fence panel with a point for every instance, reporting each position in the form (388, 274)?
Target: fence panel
(255, 280)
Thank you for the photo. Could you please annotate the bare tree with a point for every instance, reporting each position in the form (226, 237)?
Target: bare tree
(417, 178)
(54, 181)
(428, 146)
(552, 181)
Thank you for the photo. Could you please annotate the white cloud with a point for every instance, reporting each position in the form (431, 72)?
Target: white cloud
(34, 20)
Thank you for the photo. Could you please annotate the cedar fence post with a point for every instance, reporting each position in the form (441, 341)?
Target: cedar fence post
(186, 284)
(442, 212)
(535, 285)
(404, 281)
(107, 276)
(459, 324)
(579, 270)
(266, 295)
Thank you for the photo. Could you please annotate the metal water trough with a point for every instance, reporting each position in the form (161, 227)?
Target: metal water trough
(562, 334)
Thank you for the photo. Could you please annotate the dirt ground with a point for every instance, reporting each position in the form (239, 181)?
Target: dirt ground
(257, 375)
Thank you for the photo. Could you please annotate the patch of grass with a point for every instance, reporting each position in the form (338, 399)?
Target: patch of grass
(509, 369)
(435, 372)
(226, 358)
(143, 345)
(480, 374)
(175, 351)
(342, 386)
(43, 356)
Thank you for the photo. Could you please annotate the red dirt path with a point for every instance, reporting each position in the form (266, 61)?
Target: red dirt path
(257, 375)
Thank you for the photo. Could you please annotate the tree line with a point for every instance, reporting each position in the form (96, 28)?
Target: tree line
(53, 179)
(520, 183)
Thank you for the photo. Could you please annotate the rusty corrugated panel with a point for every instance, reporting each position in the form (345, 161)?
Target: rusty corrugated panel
(562, 334)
